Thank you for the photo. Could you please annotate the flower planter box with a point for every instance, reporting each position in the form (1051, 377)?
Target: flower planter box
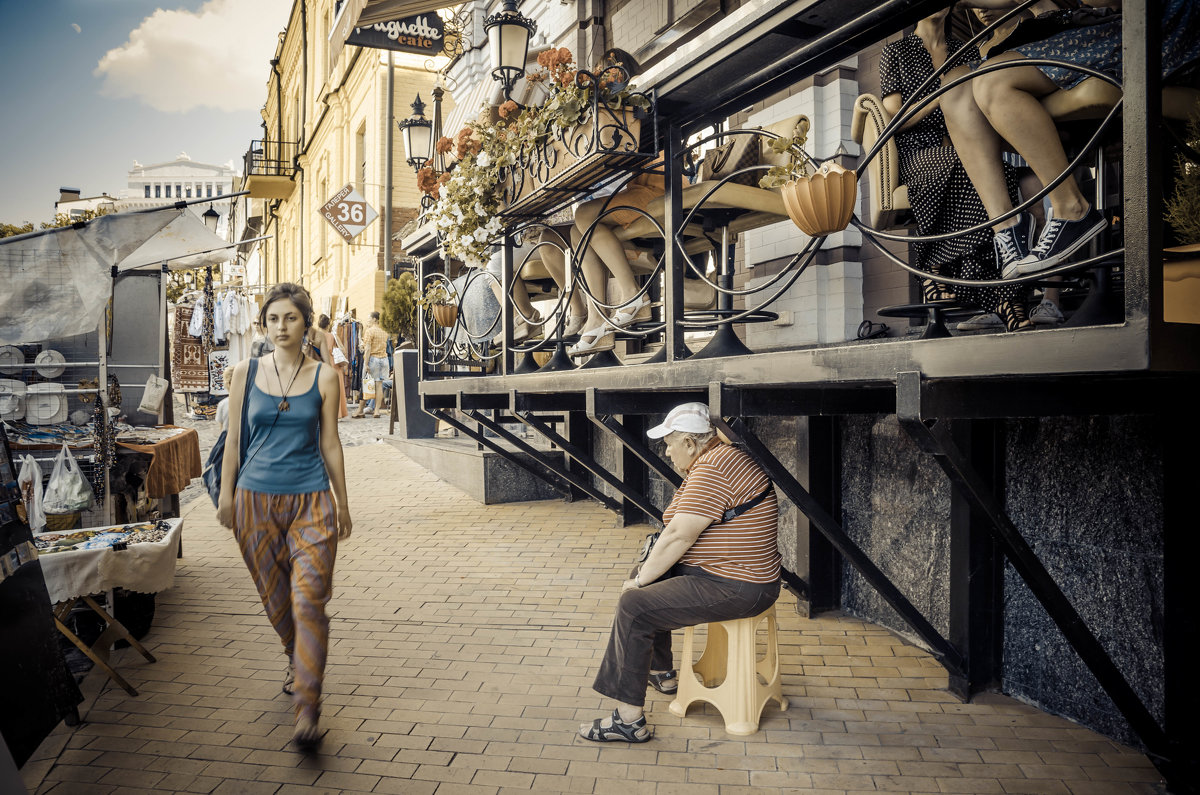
(586, 156)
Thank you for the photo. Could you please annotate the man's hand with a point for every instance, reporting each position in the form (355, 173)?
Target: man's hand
(344, 523)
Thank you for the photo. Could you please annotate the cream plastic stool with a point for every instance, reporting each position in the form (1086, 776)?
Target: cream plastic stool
(730, 655)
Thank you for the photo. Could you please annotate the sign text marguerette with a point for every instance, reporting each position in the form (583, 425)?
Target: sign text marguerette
(420, 34)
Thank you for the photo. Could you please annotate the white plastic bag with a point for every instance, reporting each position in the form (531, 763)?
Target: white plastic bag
(68, 490)
(368, 387)
(30, 482)
(338, 356)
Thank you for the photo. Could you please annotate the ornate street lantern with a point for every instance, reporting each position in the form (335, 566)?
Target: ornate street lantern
(417, 132)
(508, 35)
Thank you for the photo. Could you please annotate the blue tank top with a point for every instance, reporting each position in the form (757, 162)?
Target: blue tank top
(283, 455)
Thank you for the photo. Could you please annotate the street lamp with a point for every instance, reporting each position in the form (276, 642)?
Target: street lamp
(417, 132)
(210, 218)
(508, 35)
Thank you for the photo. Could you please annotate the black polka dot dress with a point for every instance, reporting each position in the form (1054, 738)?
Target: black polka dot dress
(942, 196)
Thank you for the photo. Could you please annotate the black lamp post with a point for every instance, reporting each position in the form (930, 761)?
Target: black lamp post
(417, 132)
(508, 35)
(211, 217)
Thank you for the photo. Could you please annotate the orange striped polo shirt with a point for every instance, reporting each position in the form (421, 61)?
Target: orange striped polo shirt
(745, 548)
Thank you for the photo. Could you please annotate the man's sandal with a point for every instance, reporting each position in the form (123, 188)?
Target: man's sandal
(289, 680)
(659, 682)
(619, 731)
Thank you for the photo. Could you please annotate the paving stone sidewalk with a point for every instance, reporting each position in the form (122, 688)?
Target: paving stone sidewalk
(464, 639)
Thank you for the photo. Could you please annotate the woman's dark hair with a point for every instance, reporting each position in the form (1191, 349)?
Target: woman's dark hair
(323, 322)
(292, 292)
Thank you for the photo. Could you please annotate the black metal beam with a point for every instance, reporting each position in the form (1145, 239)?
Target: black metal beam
(820, 565)
(634, 471)
(736, 430)
(579, 455)
(634, 444)
(976, 562)
(815, 400)
(544, 472)
(649, 401)
(936, 439)
(547, 401)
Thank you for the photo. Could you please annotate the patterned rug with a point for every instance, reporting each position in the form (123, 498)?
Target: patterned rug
(189, 369)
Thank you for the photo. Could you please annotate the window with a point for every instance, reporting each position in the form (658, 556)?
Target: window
(360, 155)
(189, 191)
(147, 190)
(209, 190)
(178, 191)
(158, 191)
(220, 189)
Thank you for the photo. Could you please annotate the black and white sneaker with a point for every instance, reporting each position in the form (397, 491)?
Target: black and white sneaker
(1012, 245)
(1060, 239)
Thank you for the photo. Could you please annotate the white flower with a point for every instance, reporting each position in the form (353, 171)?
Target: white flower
(483, 159)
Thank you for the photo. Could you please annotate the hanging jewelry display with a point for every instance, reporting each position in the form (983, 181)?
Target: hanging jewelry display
(208, 340)
(104, 446)
(114, 392)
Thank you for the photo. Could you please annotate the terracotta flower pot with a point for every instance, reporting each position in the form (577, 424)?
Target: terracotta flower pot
(445, 315)
(823, 203)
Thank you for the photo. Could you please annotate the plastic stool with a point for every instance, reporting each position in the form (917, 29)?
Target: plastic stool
(730, 658)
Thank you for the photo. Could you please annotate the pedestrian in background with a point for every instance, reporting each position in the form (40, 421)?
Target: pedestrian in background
(287, 503)
(374, 345)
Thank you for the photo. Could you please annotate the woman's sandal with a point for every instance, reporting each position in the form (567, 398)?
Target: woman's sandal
(637, 309)
(932, 292)
(659, 681)
(601, 340)
(307, 734)
(619, 731)
(289, 680)
(1013, 315)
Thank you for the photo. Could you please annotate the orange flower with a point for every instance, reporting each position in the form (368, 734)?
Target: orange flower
(444, 145)
(568, 77)
(544, 58)
(507, 108)
(564, 56)
(427, 181)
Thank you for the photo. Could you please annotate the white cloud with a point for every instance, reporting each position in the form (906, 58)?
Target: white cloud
(77, 28)
(217, 57)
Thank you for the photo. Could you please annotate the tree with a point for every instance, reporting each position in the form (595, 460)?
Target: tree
(399, 313)
(60, 220)
(1183, 208)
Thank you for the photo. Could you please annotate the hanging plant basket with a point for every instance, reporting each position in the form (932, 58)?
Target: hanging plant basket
(445, 315)
(823, 203)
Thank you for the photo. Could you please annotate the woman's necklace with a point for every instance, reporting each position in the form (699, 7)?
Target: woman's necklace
(283, 404)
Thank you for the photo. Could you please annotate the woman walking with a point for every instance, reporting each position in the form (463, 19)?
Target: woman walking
(287, 503)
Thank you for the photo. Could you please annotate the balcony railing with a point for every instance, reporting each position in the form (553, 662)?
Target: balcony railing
(270, 168)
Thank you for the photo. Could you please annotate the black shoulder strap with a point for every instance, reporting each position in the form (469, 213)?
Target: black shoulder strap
(244, 435)
(738, 510)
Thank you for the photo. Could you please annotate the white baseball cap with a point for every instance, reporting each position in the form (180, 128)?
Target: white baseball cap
(689, 417)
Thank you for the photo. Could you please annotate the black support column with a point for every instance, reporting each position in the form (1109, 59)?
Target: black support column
(818, 561)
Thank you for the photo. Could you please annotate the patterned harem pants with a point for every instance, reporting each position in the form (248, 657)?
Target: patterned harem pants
(289, 542)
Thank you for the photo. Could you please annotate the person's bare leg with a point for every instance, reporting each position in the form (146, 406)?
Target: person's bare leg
(555, 261)
(1010, 100)
(979, 147)
(606, 245)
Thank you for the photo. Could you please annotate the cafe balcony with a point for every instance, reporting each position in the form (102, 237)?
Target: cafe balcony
(985, 463)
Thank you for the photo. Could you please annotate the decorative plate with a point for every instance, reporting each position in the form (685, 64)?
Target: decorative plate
(12, 399)
(50, 363)
(45, 404)
(12, 360)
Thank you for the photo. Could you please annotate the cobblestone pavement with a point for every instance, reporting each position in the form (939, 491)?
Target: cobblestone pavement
(464, 641)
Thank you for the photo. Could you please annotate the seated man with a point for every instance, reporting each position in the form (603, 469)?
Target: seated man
(704, 567)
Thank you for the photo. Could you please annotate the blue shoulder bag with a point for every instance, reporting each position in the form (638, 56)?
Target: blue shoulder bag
(212, 467)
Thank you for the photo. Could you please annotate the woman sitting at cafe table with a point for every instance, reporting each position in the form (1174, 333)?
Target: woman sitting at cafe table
(717, 559)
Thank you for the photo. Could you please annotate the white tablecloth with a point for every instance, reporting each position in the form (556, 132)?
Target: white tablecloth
(145, 567)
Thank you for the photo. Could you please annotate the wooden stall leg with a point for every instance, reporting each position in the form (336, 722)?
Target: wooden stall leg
(119, 628)
(104, 666)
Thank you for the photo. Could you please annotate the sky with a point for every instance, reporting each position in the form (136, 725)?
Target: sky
(90, 86)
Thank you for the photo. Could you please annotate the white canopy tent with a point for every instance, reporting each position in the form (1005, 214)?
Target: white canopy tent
(56, 283)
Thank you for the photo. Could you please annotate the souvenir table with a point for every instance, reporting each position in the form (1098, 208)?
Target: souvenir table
(175, 456)
(77, 564)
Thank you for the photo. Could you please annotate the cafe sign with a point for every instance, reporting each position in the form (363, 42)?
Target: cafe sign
(422, 34)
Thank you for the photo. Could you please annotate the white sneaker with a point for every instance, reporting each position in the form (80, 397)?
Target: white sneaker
(1046, 314)
(981, 322)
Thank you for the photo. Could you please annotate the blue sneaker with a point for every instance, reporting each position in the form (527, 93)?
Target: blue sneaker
(1060, 239)
(1012, 245)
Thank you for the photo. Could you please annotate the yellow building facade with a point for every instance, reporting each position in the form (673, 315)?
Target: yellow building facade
(326, 120)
